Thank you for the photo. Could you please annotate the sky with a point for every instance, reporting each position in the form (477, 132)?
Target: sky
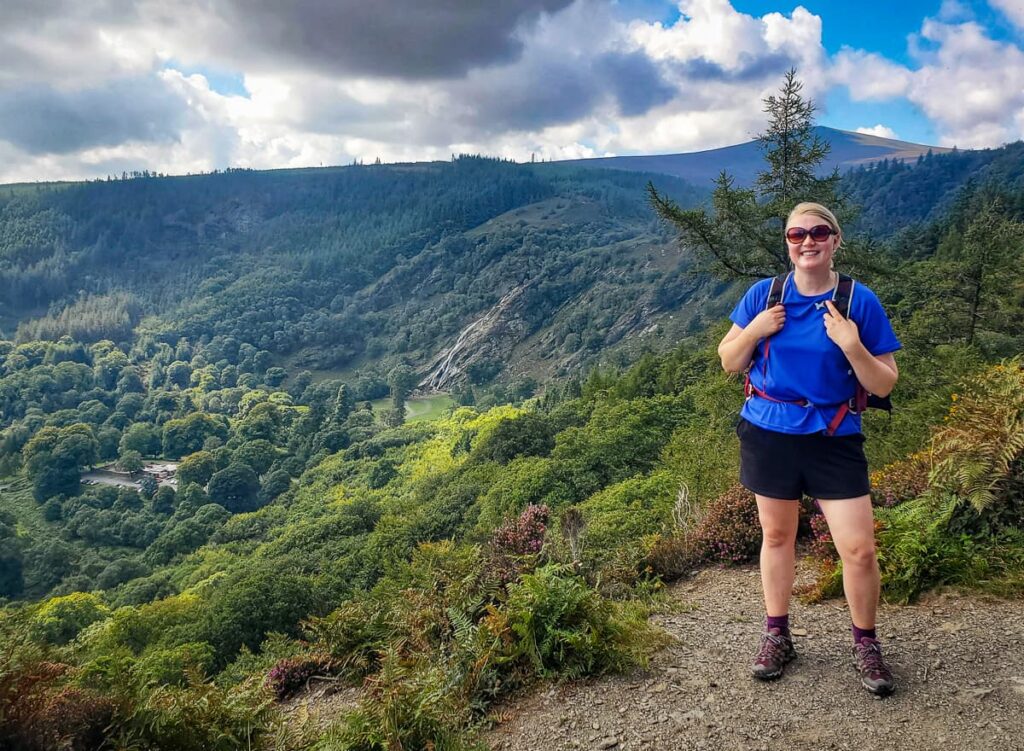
(90, 88)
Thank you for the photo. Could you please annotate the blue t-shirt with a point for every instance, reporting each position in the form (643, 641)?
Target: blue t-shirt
(803, 363)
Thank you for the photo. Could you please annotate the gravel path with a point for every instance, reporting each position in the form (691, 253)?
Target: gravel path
(958, 660)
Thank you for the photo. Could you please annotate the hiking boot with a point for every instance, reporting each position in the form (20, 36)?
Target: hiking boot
(771, 658)
(874, 673)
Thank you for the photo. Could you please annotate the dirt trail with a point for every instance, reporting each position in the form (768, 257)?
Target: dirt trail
(958, 660)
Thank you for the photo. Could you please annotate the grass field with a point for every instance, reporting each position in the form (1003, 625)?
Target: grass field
(16, 497)
(419, 408)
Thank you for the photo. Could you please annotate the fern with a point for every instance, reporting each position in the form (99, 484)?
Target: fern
(977, 452)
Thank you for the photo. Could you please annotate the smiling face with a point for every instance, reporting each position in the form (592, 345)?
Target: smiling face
(810, 254)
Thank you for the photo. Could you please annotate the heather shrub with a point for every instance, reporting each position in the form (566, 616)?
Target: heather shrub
(515, 545)
(730, 531)
(822, 546)
(726, 531)
(292, 674)
(522, 536)
(901, 481)
(823, 556)
(670, 556)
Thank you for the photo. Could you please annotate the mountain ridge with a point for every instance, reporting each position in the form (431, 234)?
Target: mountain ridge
(743, 160)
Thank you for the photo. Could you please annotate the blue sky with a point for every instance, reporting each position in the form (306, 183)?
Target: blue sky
(90, 87)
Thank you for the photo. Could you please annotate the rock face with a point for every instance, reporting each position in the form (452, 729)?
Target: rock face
(494, 332)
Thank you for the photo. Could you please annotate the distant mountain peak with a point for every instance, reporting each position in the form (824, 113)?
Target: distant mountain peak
(743, 161)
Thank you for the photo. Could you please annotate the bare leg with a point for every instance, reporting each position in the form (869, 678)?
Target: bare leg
(852, 525)
(779, 520)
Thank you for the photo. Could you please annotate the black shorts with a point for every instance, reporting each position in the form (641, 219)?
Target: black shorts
(781, 465)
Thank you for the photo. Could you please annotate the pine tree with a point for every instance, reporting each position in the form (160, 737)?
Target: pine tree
(343, 405)
(742, 236)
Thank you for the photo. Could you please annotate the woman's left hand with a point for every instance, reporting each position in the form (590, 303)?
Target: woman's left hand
(840, 330)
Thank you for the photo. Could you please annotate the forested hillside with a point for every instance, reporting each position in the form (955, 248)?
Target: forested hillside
(895, 194)
(356, 267)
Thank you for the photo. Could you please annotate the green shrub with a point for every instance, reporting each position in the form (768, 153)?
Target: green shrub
(355, 633)
(172, 666)
(563, 627)
(966, 528)
(275, 647)
(978, 453)
(197, 717)
(623, 513)
(60, 619)
(407, 706)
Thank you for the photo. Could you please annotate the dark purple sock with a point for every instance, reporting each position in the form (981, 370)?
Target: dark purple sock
(860, 633)
(781, 622)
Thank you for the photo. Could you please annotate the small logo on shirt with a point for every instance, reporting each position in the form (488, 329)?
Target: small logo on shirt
(819, 305)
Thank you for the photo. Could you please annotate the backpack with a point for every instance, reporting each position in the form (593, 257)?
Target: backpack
(842, 295)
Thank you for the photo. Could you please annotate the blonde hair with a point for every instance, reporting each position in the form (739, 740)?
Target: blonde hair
(822, 212)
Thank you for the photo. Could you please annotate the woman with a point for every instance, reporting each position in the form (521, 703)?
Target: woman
(805, 360)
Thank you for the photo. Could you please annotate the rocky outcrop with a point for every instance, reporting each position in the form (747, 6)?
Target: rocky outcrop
(494, 332)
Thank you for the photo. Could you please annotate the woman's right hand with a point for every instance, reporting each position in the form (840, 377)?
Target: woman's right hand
(767, 322)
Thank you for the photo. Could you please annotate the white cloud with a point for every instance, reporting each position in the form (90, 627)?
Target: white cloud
(724, 63)
(882, 131)
(1013, 9)
(562, 80)
(868, 75)
(954, 11)
(708, 29)
(582, 83)
(971, 86)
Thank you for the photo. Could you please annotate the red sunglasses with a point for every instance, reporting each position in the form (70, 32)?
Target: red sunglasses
(819, 234)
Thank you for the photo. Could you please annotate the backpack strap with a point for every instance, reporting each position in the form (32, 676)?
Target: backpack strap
(776, 294)
(842, 295)
(842, 298)
(777, 291)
